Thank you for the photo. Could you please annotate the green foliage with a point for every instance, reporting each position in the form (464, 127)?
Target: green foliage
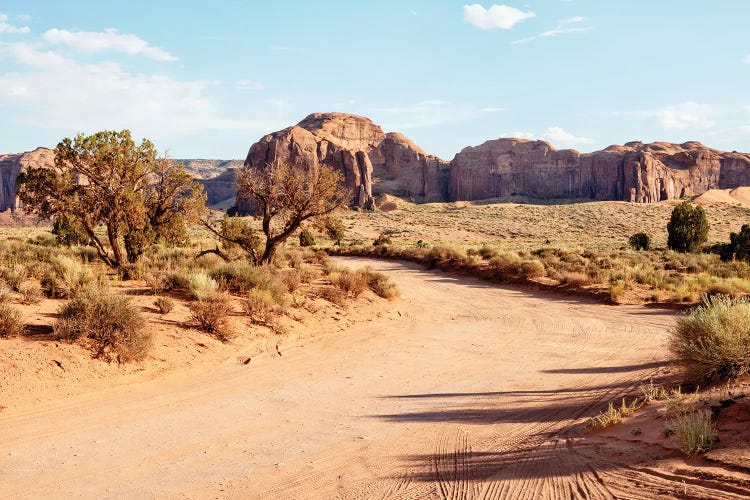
(694, 432)
(106, 179)
(712, 342)
(738, 246)
(687, 227)
(105, 322)
(334, 229)
(68, 231)
(640, 241)
(306, 238)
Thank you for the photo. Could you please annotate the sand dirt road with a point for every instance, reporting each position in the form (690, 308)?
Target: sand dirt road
(466, 390)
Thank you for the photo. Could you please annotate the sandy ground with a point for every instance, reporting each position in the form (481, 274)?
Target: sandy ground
(460, 390)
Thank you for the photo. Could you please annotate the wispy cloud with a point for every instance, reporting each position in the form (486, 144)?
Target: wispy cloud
(681, 116)
(6, 27)
(564, 27)
(248, 85)
(429, 113)
(746, 60)
(108, 40)
(491, 110)
(497, 16)
(557, 136)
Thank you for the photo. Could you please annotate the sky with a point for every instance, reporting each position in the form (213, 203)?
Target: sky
(208, 79)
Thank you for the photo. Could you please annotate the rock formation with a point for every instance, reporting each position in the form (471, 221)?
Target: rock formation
(11, 165)
(636, 172)
(374, 162)
(371, 161)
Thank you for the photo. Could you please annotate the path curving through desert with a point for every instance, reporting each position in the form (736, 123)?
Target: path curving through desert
(463, 390)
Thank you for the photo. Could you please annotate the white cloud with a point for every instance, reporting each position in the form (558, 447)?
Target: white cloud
(497, 16)
(248, 85)
(746, 60)
(6, 27)
(557, 136)
(27, 54)
(65, 95)
(107, 40)
(681, 116)
(491, 110)
(564, 27)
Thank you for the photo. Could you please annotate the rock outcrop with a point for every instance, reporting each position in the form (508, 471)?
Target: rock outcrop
(11, 165)
(636, 172)
(372, 162)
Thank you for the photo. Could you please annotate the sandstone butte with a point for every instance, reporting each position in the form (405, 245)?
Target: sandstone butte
(374, 162)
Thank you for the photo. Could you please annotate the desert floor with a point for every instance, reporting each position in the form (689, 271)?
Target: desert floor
(460, 390)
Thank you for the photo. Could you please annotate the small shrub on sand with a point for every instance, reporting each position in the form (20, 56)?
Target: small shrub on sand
(606, 418)
(107, 323)
(201, 285)
(712, 342)
(259, 306)
(575, 279)
(652, 392)
(6, 294)
(694, 432)
(353, 283)
(382, 240)
(31, 292)
(640, 241)
(306, 238)
(164, 305)
(380, 284)
(11, 324)
(66, 276)
(211, 313)
(15, 275)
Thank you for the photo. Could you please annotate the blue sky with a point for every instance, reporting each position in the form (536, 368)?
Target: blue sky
(207, 79)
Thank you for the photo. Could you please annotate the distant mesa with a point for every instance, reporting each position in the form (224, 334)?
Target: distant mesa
(375, 163)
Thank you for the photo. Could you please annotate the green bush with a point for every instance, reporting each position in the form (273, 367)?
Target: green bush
(712, 342)
(687, 228)
(201, 285)
(105, 322)
(694, 432)
(306, 238)
(640, 241)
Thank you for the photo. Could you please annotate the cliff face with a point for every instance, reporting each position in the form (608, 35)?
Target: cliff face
(11, 165)
(636, 172)
(371, 161)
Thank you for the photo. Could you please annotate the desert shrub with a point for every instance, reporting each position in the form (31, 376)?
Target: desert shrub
(738, 246)
(335, 229)
(712, 341)
(15, 275)
(211, 313)
(306, 238)
(259, 306)
(201, 284)
(242, 276)
(333, 295)
(533, 269)
(486, 252)
(506, 264)
(164, 305)
(353, 283)
(640, 241)
(687, 227)
(575, 278)
(379, 283)
(66, 276)
(105, 322)
(381, 240)
(606, 418)
(292, 279)
(11, 324)
(694, 432)
(653, 392)
(6, 294)
(31, 292)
